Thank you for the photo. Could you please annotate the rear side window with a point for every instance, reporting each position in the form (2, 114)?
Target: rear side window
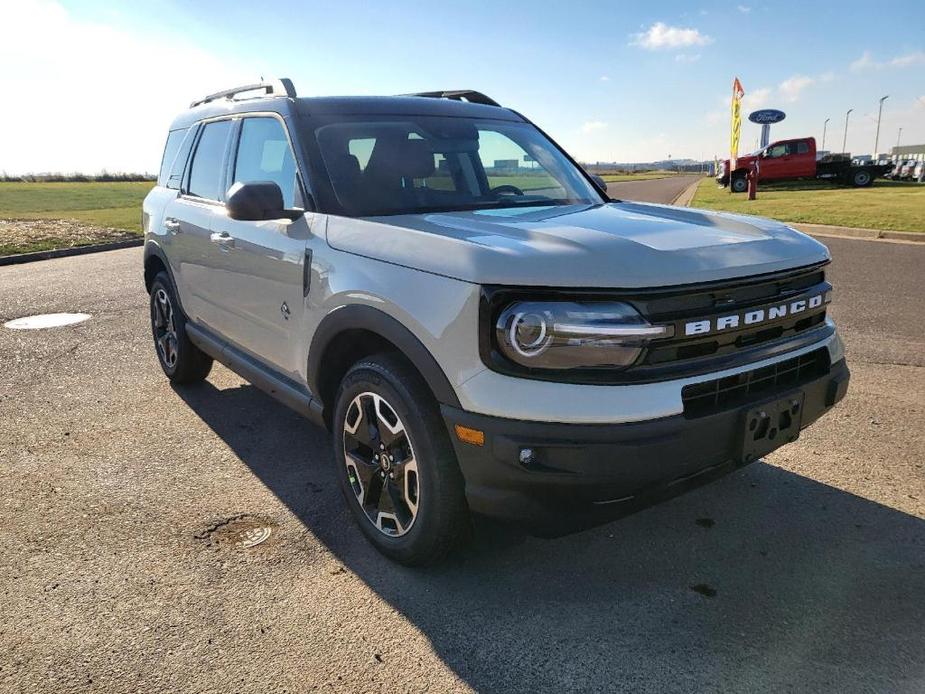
(174, 140)
(802, 147)
(205, 180)
(264, 155)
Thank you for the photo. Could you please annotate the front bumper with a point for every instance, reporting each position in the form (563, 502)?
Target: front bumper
(580, 474)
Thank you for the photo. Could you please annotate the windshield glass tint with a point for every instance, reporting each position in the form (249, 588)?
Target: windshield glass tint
(410, 164)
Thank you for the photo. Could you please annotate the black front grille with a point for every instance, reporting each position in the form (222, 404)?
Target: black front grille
(680, 355)
(722, 393)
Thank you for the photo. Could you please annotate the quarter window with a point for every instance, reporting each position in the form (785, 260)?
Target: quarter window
(264, 155)
(205, 179)
(174, 138)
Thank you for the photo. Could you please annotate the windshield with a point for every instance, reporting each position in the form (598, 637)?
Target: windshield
(413, 164)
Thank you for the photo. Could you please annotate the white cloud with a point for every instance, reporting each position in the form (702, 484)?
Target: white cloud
(756, 98)
(916, 58)
(660, 36)
(790, 88)
(867, 62)
(605, 78)
(744, 9)
(593, 125)
(687, 58)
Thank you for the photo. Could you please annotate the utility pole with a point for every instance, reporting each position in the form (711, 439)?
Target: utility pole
(879, 113)
(899, 135)
(824, 126)
(844, 144)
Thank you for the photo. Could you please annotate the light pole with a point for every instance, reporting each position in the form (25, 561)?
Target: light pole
(824, 126)
(844, 143)
(879, 113)
(899, 135)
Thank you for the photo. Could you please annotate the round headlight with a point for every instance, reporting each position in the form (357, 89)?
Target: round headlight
(569, 335)
(529, 333)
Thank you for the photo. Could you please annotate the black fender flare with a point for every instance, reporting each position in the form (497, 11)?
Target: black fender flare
(362, 317)
(153, 249)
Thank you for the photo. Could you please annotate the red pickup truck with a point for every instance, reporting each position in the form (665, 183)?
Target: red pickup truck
(792, 159)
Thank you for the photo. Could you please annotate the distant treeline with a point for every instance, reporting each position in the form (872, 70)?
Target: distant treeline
(103, 177)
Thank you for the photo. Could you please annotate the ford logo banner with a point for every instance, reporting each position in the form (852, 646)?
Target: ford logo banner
(766, 116)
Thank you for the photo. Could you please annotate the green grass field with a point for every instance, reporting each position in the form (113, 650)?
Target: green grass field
(77, 214)
(890, 205)
(108, 205)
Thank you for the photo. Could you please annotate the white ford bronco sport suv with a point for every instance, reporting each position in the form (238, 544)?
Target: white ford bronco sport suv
(483, 330)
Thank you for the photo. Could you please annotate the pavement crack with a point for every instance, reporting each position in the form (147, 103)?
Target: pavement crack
(211, 529)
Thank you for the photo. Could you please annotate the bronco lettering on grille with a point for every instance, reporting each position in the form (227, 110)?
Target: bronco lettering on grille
(733, 321)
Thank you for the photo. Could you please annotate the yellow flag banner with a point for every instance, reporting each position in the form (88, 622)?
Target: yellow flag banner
(737, 94)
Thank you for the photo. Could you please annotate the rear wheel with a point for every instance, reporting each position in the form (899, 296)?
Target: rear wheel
(181, 360)
(739, 184)
(861, 178)
(396, 464)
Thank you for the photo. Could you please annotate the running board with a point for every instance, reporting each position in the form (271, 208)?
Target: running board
(274, 384)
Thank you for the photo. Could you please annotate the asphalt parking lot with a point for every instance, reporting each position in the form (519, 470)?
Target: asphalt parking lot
(804, 572)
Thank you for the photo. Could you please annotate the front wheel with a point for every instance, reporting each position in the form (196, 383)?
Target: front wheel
(739, 184)
(396, 464)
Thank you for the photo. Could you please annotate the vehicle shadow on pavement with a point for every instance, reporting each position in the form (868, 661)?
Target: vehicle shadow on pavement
(762, 581)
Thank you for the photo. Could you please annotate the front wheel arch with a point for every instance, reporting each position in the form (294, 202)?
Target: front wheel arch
(350, 333)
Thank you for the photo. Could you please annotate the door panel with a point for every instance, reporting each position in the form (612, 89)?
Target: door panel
(188, 224)
(258, 283)
(255, 268)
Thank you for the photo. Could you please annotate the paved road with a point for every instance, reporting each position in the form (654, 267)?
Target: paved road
(663, 190)
(118, 572)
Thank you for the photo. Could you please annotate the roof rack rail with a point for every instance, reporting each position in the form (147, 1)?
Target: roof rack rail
(469, 95)
(280, 87)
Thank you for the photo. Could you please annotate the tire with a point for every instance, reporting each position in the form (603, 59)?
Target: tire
(739, 184)
(181, 360)
(861, 179)
(411, 507)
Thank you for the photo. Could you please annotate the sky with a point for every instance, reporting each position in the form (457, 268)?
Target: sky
(93, 85)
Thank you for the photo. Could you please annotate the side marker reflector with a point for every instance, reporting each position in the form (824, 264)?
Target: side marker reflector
(472, 436)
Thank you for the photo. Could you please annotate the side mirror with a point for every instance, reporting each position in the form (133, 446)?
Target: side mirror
(600, 182)
(255, 201)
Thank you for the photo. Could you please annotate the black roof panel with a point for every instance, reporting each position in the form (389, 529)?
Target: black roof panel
(347, 105)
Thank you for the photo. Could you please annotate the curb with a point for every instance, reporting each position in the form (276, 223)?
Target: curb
(857, 233)
(65, 252)
(687, 195)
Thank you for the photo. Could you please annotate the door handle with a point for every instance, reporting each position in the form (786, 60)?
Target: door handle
(172, 225)
(225, 240)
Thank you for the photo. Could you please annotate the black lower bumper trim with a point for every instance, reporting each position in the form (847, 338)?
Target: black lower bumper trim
(554, 476)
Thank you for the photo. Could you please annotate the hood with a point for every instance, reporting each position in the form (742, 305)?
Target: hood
(617, 245)
(744, 160)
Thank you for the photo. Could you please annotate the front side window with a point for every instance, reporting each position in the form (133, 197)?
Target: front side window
(264, 155)
(205, 180)
(413, 164)
(777, 151)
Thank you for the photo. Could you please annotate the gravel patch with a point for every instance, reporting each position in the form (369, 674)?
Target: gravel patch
(22, 235)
